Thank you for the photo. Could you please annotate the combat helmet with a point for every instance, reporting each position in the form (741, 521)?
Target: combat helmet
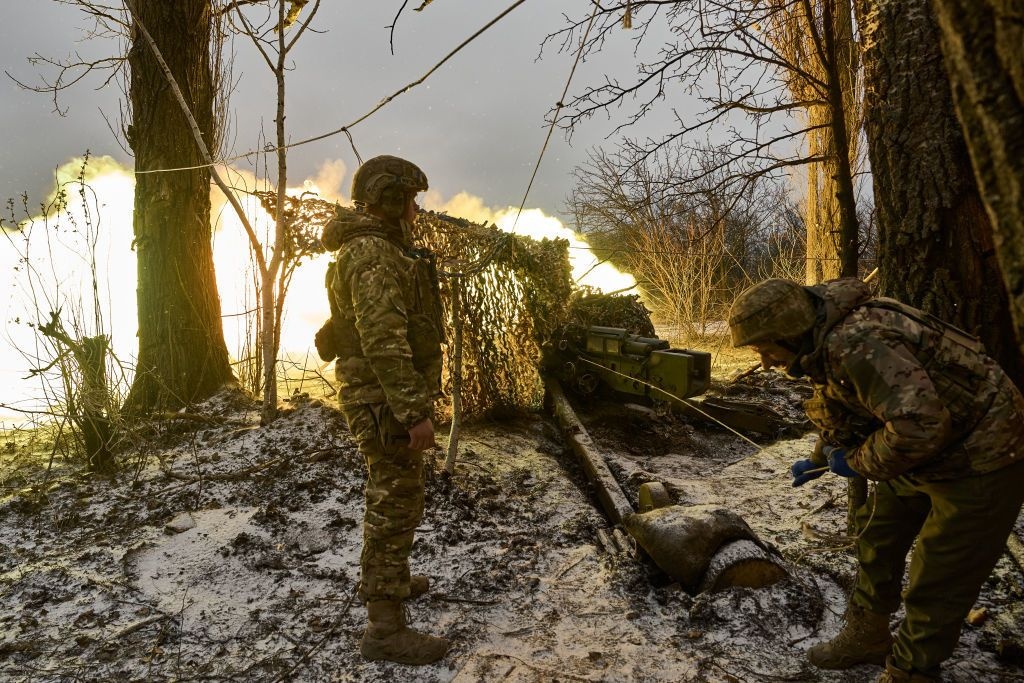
(770, 310)
(387, 181)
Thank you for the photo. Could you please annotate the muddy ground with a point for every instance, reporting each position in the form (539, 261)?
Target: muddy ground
(257, 580)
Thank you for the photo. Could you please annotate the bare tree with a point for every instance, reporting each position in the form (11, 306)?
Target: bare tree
(763, 97)
(690, 253)
(819, 37)
(269, 34)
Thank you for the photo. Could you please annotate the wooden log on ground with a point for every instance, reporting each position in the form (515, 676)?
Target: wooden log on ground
(612, 498)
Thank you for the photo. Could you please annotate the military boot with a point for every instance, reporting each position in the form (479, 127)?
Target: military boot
(865, 639)
(419, 585)
(387, 637)
(894, 674)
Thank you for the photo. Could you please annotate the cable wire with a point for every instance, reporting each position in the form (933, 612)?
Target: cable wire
(346, 128)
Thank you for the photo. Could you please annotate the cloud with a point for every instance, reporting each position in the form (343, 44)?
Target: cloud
(97, 167)
(328, 181)
(463, 205)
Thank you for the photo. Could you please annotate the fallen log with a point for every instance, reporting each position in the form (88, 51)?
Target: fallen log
(612, 498)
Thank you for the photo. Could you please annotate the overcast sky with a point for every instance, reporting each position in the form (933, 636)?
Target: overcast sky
(477, 125)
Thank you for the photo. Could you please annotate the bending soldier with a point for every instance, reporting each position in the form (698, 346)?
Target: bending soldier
(915, 405)
(386, 332)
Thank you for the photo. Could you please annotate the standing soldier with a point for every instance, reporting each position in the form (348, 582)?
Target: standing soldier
(386, 329)
(914, 404)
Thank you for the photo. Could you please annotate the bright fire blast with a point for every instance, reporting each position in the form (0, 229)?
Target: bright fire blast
(111, 209)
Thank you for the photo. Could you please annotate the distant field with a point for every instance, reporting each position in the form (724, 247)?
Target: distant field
(724, 358)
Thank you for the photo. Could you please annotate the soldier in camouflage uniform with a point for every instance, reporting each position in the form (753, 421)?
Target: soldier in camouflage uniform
(386, 332)
(915, 405)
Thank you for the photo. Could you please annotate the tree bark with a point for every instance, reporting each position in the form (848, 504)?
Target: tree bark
(816, 38)
(840, 66)
(182, 354)
(936, 247)
(983, 46)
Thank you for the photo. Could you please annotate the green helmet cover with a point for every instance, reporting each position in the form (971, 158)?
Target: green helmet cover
(770, 310)
(387, 182)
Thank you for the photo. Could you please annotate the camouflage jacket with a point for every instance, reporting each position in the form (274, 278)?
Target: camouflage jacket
(904, 392)
(388, 334)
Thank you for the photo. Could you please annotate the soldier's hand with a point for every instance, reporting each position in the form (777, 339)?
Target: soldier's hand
(837, 462)
(806, 470)
(421, 436)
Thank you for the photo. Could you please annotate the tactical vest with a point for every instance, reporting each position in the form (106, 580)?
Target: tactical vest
(425, 319)
(955, 363)
(965, 380)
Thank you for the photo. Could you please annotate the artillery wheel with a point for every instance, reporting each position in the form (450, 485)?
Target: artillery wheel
(741, 563)
(587, 383)
(654, 495)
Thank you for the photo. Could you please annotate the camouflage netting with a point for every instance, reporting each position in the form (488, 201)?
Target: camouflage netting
(305, 216)
(516, 292)
(611, 310)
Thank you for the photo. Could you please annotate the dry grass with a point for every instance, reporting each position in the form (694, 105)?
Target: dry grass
(725, 359)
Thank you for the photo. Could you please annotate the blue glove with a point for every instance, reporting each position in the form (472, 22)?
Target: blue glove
(837, 461)
(804, 471)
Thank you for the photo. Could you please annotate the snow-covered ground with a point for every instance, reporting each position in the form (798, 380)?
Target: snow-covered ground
(256, 579)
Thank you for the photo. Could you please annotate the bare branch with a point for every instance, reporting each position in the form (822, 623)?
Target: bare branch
(387, 100)
(303, 26)
(394, 23)
(69, 73)
(256, 40)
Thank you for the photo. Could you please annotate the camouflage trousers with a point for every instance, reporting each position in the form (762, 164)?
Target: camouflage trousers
(394, 501)
(961, 528)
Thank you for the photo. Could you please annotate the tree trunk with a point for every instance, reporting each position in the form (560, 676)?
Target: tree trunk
(272, 292)
(94, 402)
(816, 37)
(822, 215)
(983, 45)
(840, 65)
(182, 354)
(936, 248)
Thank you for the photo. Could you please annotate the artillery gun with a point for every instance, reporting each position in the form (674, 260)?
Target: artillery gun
(703, 547)
(628, 367)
